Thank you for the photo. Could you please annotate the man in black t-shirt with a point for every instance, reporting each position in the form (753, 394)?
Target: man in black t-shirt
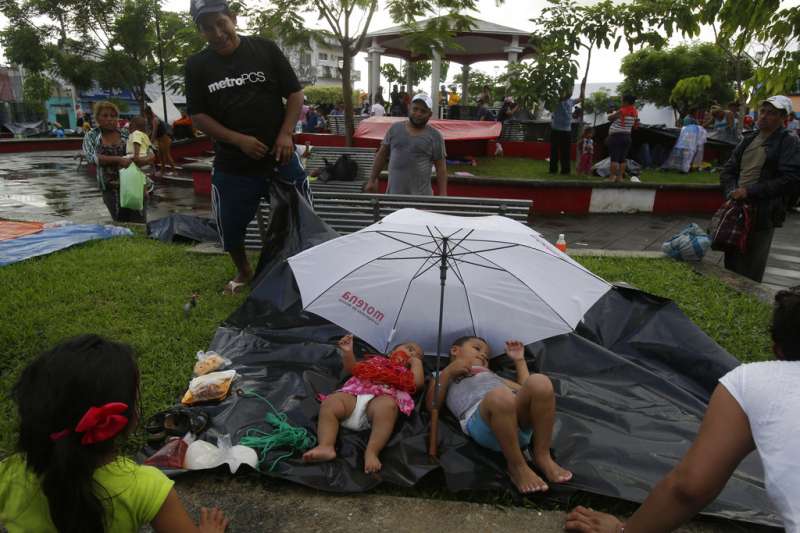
(235, 89)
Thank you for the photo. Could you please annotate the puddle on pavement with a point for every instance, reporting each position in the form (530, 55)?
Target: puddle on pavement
(48, 186)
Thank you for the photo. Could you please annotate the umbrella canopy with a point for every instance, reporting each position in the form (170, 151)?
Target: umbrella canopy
(504, 281)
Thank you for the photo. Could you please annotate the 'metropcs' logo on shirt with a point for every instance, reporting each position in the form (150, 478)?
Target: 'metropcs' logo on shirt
(225, 83)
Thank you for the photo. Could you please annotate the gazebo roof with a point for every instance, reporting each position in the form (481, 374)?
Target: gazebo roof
(486, 41)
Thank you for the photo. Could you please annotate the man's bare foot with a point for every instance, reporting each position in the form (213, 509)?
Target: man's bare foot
(371, 463)
(551, 470)
(319, 454)
(526, 479)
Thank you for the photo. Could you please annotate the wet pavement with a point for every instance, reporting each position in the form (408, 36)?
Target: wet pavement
(49, 186)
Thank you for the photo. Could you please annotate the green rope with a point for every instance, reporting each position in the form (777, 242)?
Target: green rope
(284, 435)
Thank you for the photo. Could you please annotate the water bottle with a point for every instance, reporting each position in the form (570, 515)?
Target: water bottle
(298, 127)
(561, 243)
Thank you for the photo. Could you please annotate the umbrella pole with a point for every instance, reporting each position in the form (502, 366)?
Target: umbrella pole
(433, 437)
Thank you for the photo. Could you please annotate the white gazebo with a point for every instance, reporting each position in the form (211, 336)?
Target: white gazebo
(486, 41)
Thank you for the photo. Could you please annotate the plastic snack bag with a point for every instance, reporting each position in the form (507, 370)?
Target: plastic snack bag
(208, 362)
(172, 454)
(208, 388)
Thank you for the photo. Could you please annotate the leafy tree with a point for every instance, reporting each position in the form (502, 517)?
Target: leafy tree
(477, 81)
(565, 28)
(652, 74)
(691, 93)
(109, 41)
(328, 95)
(599, 102)
(179, 40)
(36, 90)
(420, 70)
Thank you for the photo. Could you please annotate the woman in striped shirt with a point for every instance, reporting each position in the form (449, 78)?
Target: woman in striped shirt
(619, 136)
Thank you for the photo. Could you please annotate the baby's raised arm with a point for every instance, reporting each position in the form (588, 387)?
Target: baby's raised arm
(515, 350)
(348, 356)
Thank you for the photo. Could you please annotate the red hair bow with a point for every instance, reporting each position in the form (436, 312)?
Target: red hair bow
(99, 423)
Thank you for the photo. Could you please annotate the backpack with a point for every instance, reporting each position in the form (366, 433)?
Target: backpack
(344, 169)
(730, 227)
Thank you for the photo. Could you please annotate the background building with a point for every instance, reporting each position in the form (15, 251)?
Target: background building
(319, 63)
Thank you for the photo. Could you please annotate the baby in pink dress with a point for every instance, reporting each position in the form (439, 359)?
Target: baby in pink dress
(379, 389)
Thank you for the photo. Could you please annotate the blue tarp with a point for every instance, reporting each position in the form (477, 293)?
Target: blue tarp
(54, 239)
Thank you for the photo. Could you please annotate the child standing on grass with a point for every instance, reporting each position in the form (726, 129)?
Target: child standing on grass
(502, 415)
(379, 388)
(77, 404)
(586, 149)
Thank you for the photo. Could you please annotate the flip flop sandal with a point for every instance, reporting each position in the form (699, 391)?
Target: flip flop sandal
(179, 421)
(233, 287)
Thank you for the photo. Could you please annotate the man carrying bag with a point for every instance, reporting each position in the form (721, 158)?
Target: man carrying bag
(763, 172)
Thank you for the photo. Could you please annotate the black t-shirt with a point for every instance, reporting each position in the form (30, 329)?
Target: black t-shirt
(244, 92)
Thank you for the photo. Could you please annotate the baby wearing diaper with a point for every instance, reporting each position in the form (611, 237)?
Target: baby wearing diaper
(379, 388)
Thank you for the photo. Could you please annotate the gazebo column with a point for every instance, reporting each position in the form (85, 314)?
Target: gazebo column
(374, 52)
(436, 71)
(465, 87)
(369, 77)
(409, 78)
(514, 50)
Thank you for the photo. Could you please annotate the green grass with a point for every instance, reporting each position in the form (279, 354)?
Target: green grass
(532, 169)
(129, 289)
(133, 290)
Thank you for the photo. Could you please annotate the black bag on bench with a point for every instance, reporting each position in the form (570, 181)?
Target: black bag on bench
(344, 169)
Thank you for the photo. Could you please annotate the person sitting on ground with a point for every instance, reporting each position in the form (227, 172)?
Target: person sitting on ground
(105, 147)
(379, 388)
(754, 407)
(411, 147)
(77, 404)
(500, 414)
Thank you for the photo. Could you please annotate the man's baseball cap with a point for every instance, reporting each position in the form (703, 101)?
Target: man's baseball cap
(780, 102)
(198, 8)
(424, 98)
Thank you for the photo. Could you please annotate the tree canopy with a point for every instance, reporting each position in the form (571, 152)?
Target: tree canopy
(652, 74)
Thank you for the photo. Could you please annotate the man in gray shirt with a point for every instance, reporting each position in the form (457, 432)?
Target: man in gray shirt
(411, 147)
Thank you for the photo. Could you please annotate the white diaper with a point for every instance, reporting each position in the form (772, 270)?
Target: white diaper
(357, 421)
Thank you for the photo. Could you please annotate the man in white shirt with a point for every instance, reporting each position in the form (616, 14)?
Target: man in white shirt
(377, 110)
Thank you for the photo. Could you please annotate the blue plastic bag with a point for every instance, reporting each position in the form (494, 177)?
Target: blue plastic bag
(691, 244)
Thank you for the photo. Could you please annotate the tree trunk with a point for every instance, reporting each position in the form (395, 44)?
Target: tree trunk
(585, 76)
(347, 93)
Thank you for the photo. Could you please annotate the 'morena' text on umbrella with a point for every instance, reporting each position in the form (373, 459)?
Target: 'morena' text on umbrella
(361, 305)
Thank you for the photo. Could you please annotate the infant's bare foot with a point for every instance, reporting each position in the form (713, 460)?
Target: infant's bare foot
(551, 470)
(371, 463)
(526, 479)
(319, 454)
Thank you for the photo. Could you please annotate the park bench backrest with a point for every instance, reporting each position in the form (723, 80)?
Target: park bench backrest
(364, 157)
(336, 123)
(348, 212)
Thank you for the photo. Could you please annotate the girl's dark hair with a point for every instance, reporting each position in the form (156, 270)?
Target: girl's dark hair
(628, 99)
(52, 394)
(785, 327)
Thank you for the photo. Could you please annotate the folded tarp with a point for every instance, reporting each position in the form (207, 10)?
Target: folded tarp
(12, 229)
(183, 228)
(451, 130)
(632, 385)
(53, 239)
